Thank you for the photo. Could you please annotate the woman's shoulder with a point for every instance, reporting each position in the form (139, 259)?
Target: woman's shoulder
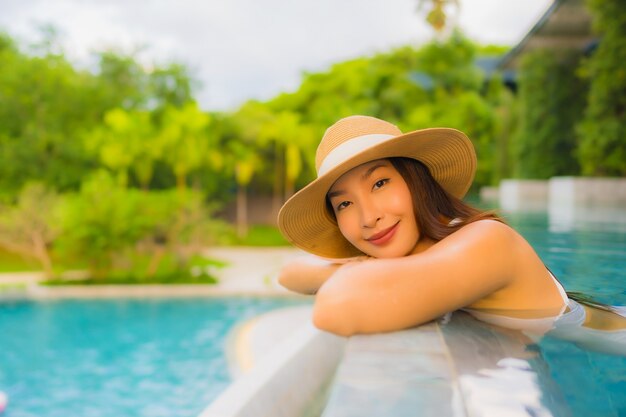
(485, 242)
(489, 224)
(486, 231)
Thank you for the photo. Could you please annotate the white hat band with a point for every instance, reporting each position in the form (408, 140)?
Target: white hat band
(350, 148)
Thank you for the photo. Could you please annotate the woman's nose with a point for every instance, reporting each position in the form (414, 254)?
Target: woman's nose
(370, 215)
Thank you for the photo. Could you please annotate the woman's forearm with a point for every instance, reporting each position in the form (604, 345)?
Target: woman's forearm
(306, 275)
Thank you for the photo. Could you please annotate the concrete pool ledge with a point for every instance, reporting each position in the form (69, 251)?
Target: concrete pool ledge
(456, 368)
(566, 192)
(287, 381)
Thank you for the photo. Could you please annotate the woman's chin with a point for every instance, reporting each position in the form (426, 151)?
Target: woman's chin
(388, 253)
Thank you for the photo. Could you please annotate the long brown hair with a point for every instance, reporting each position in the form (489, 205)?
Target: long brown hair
(434, 207)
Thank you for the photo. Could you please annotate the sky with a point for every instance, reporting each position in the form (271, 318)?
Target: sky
(254, 49)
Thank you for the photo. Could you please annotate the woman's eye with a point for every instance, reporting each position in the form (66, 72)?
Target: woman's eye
(342, 205)
(378, 184)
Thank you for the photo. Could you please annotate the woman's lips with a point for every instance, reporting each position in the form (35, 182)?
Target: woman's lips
(383, 236)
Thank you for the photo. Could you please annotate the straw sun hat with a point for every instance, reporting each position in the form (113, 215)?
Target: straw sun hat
(304, 219)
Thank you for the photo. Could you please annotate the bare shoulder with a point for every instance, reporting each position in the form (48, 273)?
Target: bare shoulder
(492, 228)
(484, 233)
(488, 247)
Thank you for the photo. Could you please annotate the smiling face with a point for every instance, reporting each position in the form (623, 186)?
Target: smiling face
(374, 210)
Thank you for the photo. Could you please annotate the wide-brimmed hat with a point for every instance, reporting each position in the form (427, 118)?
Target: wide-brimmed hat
(305, 220)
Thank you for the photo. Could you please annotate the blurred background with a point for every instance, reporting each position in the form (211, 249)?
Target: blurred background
(135, 134)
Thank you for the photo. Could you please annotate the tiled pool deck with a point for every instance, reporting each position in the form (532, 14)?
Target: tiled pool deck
(249, 271)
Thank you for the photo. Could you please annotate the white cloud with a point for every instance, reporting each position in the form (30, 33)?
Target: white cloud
(243, 49)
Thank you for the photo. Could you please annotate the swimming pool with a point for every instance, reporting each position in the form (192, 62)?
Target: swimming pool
(589, 257)
(103, 377)
(118, 358)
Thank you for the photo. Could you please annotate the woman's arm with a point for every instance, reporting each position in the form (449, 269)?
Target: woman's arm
(306, 274)
(392, 294)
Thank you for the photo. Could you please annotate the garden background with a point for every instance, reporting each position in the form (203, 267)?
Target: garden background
(118, 172)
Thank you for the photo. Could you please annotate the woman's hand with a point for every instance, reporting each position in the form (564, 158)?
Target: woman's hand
(306, 274)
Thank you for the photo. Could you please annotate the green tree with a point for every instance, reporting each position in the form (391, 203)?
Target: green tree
(437, 15)
(113, 229)
(181, 228)
(287, 135)
(30, 227)
(451, 64)
(506, 118)
(473, 115)
(45, 107)
(247, 157)
(127, 142)
(102, 223)
(185, 140)
(171, 85)
(602, 132)
(551, 98)
(246, 162)
(122, 81)
(456, 97)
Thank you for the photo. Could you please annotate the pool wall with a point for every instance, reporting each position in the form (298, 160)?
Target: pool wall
(459, 368)
(562, 192)
(462, 368)
(288, 382)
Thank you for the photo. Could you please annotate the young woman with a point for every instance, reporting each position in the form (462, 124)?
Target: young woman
(396, 245)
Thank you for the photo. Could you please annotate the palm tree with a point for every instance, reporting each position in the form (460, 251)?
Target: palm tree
(438, 12)
(289, 137)
(185, 140)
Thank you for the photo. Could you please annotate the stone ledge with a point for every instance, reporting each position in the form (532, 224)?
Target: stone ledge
(287, 382)
(538, 195)
(523, 195)
(587, 191)
(460, 368)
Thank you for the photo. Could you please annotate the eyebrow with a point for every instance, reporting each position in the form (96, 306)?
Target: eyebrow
(335, 193)
(365, 176)
(371, 170)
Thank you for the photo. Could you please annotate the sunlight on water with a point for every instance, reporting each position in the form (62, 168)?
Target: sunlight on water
(586, 250)
(118, 358)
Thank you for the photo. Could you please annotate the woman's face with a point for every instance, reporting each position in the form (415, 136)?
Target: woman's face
(374, 210)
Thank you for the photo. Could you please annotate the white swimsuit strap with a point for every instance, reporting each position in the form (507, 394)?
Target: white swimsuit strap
(560, 288)
(564, 296)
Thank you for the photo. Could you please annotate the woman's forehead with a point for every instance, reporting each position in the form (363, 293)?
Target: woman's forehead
(360, 172)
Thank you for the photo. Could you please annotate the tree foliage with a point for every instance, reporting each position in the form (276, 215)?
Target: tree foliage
(602, 132)
(31, 225)
(45, 105)
(184, 140)
(125, 143)
(110, 226)
(141, 167)
(48, 107)
(552, 99)
(129, 170)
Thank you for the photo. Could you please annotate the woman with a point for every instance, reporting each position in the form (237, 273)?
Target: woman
(401, 248)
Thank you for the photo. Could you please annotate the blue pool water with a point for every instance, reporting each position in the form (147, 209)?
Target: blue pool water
(589, 258)
(118, 358)
(166, 357)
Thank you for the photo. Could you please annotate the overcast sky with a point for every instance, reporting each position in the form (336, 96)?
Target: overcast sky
(243, 49)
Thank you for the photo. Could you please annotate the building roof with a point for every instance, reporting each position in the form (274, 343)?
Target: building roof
(565, 25)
